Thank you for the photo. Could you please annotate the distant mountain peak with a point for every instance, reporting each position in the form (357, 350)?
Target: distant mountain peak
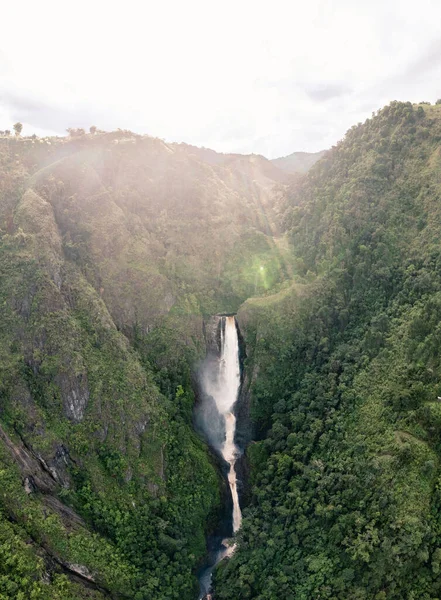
(298, 162)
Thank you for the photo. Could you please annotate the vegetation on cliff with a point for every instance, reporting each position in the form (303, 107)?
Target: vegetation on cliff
(112, 248)
(347, 378)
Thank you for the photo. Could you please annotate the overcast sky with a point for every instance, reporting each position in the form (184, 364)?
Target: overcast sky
(269, 77)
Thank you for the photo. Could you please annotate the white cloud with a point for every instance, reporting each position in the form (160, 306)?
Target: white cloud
(236, 75)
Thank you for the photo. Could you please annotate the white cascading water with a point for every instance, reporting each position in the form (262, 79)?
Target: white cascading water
(223, 386)
(225, 398)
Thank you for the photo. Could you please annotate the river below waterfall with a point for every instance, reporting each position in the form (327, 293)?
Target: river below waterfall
(220, 382)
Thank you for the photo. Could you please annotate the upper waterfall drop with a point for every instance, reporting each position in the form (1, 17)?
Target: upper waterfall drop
(223, 387)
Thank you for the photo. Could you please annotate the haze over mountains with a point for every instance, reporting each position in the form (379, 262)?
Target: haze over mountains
(115, 251)
(298, 162)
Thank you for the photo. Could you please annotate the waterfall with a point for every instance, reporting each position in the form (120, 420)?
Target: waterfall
(220, 383)
(225, 397)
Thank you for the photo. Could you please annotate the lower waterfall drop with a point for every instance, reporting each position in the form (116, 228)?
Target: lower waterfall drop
(221, 382)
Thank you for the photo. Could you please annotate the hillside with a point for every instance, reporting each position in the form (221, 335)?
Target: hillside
(347, 379)
(112, 249)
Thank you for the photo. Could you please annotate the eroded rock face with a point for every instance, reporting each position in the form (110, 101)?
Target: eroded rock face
(75, 394)
(80, 570)
(58, 465)
(29, 485)
(34, 470)
(212, 334)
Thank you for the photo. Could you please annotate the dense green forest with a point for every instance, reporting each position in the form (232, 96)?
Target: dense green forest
(347, 377)
(114, 248)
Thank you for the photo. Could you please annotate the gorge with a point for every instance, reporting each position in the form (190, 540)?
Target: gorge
(132, 272)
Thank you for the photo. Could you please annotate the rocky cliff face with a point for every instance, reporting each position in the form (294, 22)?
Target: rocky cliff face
(212, 334)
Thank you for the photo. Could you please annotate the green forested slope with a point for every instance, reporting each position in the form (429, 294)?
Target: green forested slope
(112, 248)
(93, 431)
(346, 370)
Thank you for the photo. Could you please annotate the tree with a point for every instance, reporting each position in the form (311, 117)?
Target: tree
(92, 129)
(18, 128)
(75, 132)
(438, 101)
